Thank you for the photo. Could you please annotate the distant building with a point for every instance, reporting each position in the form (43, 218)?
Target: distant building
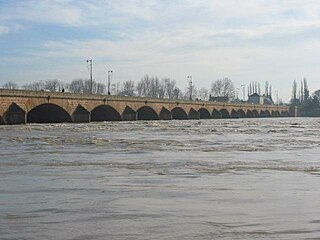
(219, 99)
(237, 100)
(260, 99)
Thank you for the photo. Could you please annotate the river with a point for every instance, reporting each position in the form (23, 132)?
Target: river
(197, 179)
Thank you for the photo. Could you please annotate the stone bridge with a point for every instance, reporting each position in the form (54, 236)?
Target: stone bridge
(20, 107)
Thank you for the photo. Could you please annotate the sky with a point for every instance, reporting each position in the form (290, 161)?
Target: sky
(245, 40)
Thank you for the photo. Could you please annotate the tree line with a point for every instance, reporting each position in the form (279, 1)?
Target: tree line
(309, 104)
(147, 86)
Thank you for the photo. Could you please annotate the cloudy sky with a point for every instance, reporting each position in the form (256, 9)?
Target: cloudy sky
(246, 40)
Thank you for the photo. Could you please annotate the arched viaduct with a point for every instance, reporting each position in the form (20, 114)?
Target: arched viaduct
(19, 107)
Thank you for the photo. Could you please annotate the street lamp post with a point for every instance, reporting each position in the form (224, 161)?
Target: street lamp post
(190, 86)
(243, 91)
(109, 80)
(91, 83)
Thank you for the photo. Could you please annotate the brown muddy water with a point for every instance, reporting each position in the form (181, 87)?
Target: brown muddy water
(202, 179)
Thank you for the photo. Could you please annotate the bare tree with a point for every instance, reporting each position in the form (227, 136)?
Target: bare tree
(100, 88)
(87, 86)
(294, 90)
(153, 87)
(127, 88)
(188, 92)
(203, 94)
(177, 93)
(84, 86)
(169, 87)
(77, 86)
(162, 89)
(223, 88)
(150, 87)
(306, 89)
(10, 85)
(115, 88)
(54, 85)
(140, 88)
(35, 86)
(143, 85)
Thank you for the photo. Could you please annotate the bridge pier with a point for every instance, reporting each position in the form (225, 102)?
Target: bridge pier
(15, 115)
(193, 114)
(81, 115)
(295, 111)
(129, 114)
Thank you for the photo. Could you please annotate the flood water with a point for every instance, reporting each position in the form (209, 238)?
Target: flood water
(201, 179)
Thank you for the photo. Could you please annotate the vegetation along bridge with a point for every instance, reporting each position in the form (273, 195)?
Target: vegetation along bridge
(19, 107)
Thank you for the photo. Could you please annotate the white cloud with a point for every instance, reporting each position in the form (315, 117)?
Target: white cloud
(245, 40)
(45, 12)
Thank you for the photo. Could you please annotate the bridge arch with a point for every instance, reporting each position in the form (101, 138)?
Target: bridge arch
(204, 113)
(165, 114)
(81, 115)
(14, 115)
(193, 114)
(129, 114)
(179, 113)
(147, 113)
(216, 114)
(241, 113)
(48, 113)
(275, 113)
(224, 113)
(264, 113)
(268, 114)
(285, 114)
(253, 114)
(234, 114)
(105, 113)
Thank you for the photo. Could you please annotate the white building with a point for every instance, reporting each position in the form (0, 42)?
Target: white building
(260, 99)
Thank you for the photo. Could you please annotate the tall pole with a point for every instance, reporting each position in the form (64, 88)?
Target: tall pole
(243, 91)
(91, 82)
(109, 80)
(190, 86)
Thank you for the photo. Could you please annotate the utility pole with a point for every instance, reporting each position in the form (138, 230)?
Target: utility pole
(109, 80)
(91, 83)
(190, 86)
(244, 91)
